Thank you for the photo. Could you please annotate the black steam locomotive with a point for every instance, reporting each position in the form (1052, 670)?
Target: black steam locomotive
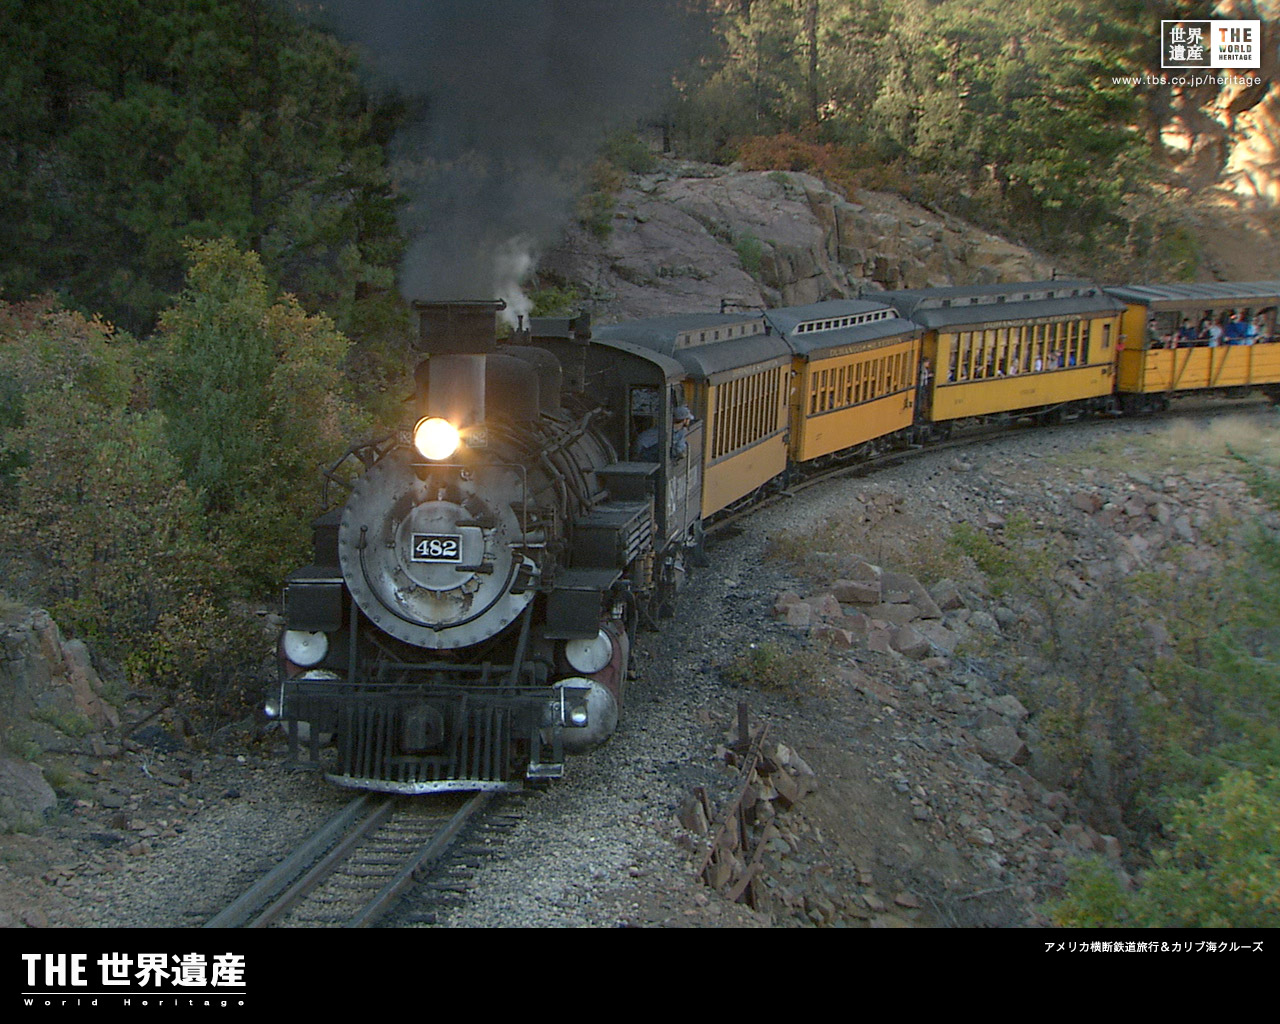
(468, 616)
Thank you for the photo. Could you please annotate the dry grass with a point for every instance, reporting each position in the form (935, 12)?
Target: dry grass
(1251, 437)
(895, 541)
(1182, 445)
(789, 670)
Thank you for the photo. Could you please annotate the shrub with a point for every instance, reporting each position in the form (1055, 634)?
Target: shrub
(555, 301)
(99, 526)
(1220, 870)
(835, 164)
(771, 667)
(255, 405)
(750, 252)
(630, 152)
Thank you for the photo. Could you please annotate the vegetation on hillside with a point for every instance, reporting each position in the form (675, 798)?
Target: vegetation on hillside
(1157, 702)
(199, 267)
(127, 127)
(1154, 694)
(1006, 113)
(197, 294)
(146, 491)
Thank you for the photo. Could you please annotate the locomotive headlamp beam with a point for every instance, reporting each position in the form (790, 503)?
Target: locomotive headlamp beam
(436, 438)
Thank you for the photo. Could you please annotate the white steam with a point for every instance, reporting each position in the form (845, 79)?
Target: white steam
(512, 264)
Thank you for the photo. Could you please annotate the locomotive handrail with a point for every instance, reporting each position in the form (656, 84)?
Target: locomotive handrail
(331, 474)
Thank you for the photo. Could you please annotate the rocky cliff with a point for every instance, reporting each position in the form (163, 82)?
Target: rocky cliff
(690, 235)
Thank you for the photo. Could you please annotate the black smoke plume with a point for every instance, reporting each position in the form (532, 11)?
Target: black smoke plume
(515, 98)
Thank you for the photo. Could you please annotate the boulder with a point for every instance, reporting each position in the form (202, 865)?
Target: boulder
(857, 591)
(25, 796)
(907, 641)
(48, 684)
(1001, 743)
(946, 595)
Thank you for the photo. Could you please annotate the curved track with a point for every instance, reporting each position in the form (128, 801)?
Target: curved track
(357, 866)
(855, 464)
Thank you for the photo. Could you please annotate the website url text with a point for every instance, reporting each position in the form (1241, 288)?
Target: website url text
(1191, 80)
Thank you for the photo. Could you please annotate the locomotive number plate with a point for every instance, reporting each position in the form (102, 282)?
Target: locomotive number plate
(436, 547)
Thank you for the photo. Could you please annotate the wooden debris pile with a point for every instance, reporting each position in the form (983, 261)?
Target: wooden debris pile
(773, 779)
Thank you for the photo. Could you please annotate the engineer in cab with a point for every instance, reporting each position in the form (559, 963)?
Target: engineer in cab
(649, 442)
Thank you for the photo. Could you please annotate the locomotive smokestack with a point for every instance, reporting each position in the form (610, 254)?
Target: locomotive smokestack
(457, 337)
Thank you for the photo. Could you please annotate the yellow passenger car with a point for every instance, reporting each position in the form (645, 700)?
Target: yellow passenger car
(1180, 338)
(855, 373)
(738, 386)
(1044, 348)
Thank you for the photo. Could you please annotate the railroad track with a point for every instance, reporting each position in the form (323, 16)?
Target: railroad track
(856, 465)
(357, 868)
(359, 865)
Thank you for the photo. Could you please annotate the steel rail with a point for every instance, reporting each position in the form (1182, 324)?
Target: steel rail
(243, 907)
(320, 857)
(426, 857)
(326, 866)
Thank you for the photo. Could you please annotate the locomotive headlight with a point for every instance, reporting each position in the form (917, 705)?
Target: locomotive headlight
(589, 656)
(586, 712)
(436, 438)
(303, 648)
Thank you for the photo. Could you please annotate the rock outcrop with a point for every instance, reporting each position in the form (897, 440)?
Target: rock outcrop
(50, 698)
(691, 235)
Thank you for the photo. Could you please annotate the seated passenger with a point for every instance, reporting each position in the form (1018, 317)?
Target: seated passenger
(1186, 333)
(1215, 334)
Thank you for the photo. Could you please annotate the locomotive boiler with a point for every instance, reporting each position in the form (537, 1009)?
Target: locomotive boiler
(468, 615)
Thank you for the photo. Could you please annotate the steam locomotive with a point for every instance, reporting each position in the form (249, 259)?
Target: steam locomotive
(469, 613)
(468, 618)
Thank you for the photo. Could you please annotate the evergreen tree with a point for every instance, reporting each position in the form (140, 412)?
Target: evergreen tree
(127, 126)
